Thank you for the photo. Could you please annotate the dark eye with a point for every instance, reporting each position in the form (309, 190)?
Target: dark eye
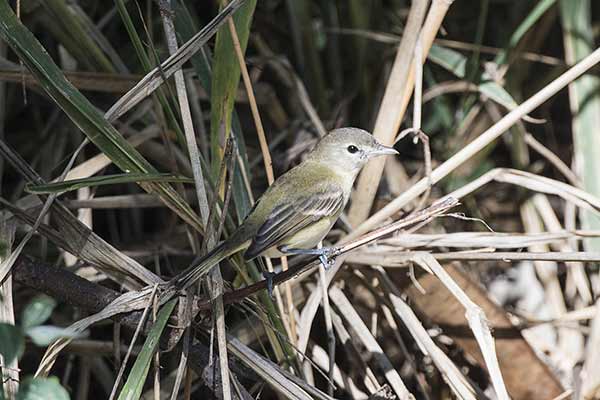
(352, 149)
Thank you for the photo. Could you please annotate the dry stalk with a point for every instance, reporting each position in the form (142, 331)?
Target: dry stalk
(215, 279)
(481, 142)
(264, 148)
(476, 319)
(389, 117)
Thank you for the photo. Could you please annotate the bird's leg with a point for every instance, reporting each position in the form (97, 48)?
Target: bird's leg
(325, 254)
(269, 278)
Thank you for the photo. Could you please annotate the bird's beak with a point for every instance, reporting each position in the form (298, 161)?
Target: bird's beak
(382, 150)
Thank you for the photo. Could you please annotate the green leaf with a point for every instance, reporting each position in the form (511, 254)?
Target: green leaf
(43, 335)
(135, 382)
(225, 82)
(11, 342)
(455, 62)
(498, 94)
(3, 249)
(75, 36)
(576, 18)
(42, 389)
(37, 311)
(84, 114)
(538, 11)
(448, 59)
(74, 184)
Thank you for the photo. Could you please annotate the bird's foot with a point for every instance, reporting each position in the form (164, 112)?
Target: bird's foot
(269, 278)
(326, 254)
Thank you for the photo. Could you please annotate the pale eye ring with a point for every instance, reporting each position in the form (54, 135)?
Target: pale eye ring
(352, 149)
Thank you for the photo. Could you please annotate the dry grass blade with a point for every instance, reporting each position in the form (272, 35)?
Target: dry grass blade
(575, 271)
(582, 256)
(321, 358)
(9, 371)
(267, 370)
(132, 343)
(496, 240)
(455, 379)
(590, 376)
(76, 238)
(481, 142)
(216, 285)
(328, 327)
(570, 341)
(83, 113)
(157, 76)
(127, 302)
(312, 304)
(290, 321)
(476, 319)
(533, 182)
(376, 352)
(553, 159)
(7, 263)
(370, 383)
(526, 375)
(389, 117)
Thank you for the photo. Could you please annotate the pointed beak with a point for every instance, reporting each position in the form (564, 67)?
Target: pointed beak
(382, 150)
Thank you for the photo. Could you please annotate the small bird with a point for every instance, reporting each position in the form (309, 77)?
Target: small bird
(300, 207)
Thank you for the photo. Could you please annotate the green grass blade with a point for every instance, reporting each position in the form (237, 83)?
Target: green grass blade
(12, 343)
(83, 113)
(137, 377)
(186, 27)
(532, 18)
(448, 59)
(226, 78)
(158, 75)
(585, 104)
(311, 67)
(74, 184)
(455, 63)
(147, 66)
(77, 37)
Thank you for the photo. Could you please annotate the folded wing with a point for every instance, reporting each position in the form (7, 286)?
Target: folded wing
(288, 219)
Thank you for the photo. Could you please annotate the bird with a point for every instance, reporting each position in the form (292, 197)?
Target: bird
(301, 206)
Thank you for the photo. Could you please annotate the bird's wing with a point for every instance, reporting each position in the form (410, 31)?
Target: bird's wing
(288, 219)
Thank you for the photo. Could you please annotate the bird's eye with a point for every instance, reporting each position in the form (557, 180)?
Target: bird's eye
(352, 149)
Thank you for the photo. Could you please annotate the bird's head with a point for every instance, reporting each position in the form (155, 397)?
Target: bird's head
(348, 149)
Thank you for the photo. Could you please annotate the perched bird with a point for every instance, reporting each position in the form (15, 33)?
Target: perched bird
(301, 206)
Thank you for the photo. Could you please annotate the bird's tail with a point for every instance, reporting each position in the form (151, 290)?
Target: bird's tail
(186, 278)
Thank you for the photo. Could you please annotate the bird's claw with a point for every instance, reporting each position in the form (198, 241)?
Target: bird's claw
(326, 254)
(326, 258)
(269, 278)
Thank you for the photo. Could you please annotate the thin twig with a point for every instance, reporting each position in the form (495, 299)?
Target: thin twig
(328, 327)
